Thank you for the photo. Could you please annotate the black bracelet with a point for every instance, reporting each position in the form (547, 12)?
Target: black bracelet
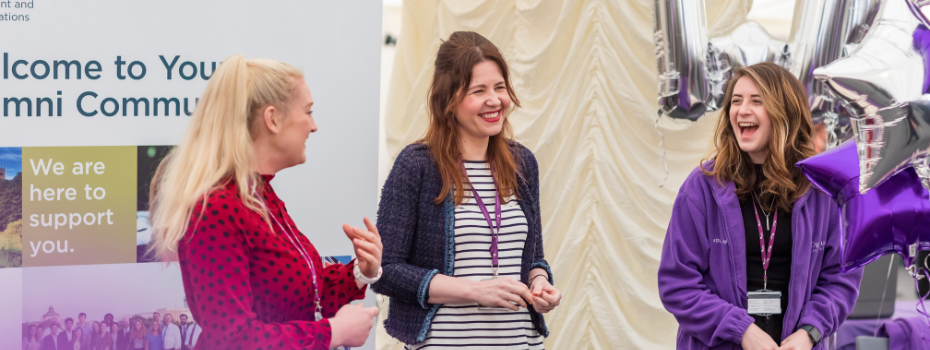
(534, 277)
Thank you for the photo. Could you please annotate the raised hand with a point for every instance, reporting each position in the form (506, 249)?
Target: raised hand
(368, 247)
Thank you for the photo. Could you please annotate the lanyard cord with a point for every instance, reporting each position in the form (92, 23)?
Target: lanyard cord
(766, 253)
(484, 211)
(292, 237)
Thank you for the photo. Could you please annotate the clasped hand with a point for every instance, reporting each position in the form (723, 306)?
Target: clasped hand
(509, 293)
(756, 339)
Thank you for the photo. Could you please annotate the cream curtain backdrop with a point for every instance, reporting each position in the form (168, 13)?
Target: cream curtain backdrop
(585, 73)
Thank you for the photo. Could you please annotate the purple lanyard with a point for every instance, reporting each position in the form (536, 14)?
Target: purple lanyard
(487, 217)
(766, 254)
(292, 237)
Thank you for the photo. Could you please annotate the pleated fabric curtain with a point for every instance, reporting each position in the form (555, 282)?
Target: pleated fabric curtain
(585, 72)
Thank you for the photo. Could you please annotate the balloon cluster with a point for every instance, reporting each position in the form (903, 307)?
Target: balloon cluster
(881, 180)
(693, 69)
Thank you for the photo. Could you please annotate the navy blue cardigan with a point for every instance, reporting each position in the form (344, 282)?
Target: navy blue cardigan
(418, 237)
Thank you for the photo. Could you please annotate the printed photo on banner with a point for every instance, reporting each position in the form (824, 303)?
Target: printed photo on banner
(11, 207)
(78, 205)
(100, 301)
(340, 259)
(149, 158)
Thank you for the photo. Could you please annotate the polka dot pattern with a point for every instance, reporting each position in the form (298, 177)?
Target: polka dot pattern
(248, 286)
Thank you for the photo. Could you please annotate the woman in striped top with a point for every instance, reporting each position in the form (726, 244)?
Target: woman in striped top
(459, 217)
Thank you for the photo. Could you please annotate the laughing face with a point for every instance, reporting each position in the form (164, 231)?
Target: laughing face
(749, 120)
(481, 113)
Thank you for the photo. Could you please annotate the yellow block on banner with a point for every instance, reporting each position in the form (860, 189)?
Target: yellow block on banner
(79, 205)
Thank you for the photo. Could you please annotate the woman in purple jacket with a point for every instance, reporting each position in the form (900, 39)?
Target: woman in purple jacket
(751, 257)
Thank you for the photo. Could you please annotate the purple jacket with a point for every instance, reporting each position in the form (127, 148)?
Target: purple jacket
(906, 333)
(702, 274)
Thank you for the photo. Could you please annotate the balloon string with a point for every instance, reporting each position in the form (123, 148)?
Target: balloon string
(663, 161)
(884, 291)
(921, 308)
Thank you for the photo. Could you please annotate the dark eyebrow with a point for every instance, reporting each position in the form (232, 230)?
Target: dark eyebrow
(735, 95)
(472, 87)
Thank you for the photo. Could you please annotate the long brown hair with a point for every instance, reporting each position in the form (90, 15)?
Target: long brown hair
(785, 102)
(76, 338)
(454, 62)
(136, 334)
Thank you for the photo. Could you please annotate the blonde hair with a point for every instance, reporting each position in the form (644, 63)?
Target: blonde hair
(217, 146)
(785, 103)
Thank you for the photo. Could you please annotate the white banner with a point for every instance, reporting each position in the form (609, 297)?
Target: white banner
(127, 73)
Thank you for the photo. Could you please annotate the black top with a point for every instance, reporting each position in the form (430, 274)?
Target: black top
(779, 272)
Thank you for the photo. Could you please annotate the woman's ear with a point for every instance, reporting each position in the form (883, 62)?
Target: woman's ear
(271, 119)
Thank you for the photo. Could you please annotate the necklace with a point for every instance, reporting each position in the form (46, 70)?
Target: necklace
(767, 226)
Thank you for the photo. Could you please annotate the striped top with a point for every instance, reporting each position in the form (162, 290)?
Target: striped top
(464, 326)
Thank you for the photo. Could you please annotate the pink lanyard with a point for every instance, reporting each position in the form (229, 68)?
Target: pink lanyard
(487, 217)
(292, 237)
(766, 254)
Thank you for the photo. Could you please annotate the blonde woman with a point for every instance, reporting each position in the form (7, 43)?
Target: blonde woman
(155, 339)
(252, 279)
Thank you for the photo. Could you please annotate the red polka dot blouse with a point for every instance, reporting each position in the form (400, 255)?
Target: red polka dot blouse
(248, 286)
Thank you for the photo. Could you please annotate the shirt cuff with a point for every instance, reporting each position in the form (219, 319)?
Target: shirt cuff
(423, 291)
(545, 266)
(356, 292)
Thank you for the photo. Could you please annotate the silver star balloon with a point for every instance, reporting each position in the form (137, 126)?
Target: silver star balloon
(892, 140)
(921, 9)
(881, 84)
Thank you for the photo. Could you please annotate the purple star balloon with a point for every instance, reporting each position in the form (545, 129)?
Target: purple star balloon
(892, 217)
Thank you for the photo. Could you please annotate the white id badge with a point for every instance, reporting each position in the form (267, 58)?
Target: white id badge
(765, 302)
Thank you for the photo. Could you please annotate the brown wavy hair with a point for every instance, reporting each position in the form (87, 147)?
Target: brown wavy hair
(454, 62)
(785, 102)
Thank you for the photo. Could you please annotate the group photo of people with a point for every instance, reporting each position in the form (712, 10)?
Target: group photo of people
(156, 332)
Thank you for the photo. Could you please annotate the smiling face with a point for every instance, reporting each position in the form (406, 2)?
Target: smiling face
(483, 109)
(749, 120)
(298, 124)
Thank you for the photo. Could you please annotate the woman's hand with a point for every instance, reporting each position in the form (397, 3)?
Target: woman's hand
(367, 247)
(800, 340)
(545, 296)
(756, 339)
(501, 292)
(352, 325)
